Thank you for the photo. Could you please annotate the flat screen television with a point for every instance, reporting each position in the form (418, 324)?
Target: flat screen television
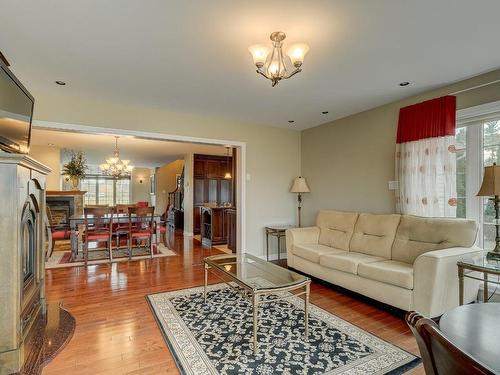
(16, 111)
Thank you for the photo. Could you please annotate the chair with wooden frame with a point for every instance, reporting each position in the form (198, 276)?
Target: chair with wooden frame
(121, 229)
(439, 355)
(141, 227)
(98, 222)
(56, 231)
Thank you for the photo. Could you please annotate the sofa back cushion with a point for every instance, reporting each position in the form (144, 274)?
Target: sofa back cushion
(417, 235)
(374, 234)
(336, 228)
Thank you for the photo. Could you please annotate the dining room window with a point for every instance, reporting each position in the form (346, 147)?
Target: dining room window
(106, 190)
(477, 146)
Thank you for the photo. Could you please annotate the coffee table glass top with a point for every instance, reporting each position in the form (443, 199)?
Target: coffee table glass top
(247, 269)
(482, 262)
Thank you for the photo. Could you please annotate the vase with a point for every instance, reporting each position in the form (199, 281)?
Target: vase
(74, 182)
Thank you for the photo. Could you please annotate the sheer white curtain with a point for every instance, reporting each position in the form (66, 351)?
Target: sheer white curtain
(426, 171)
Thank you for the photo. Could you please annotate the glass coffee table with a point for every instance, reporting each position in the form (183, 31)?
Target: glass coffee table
(243, 270)
(468, 268)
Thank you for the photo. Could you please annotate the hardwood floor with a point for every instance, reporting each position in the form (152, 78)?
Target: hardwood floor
(117, 334)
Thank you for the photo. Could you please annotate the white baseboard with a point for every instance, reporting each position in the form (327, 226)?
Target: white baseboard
(272, 256)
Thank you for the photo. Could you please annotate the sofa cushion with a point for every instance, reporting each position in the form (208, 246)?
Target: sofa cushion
(312, 252)
(417, 235)
(347, 261)
(388, 271)
(336, 228)
(374, 234)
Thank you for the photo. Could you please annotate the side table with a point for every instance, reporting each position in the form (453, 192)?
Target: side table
(277, 231)
(467, 268)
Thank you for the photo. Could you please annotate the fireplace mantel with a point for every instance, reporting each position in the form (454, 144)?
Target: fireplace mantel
(65, 192)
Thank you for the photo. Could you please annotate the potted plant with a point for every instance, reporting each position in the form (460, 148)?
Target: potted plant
(75, 169)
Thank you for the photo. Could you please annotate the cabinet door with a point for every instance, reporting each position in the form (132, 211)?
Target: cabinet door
(225, 191)
(213, 168)
(199, 191)
(213, 190)
(199, 168)
(196, 220)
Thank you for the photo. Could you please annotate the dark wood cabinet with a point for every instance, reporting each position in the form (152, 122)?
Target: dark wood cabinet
(210, 186)
(215, 225)
(230, 228)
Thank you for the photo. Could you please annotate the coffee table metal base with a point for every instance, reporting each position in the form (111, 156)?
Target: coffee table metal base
(255, 298)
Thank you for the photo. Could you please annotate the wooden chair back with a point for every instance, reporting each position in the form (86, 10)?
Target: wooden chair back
(141, 218)
(122, 208)
(142, 204)
(98, 220)
(439, 355)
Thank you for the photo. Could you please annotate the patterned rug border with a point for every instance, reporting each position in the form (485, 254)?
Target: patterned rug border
(399, 370)
(94, 262)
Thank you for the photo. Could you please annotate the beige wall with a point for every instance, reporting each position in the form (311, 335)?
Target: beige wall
(51, 157)
(140, 191)
(349, 162)
(272, 159)
(165, 183)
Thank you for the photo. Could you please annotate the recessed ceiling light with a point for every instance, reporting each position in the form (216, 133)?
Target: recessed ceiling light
(50, 144)
(61, 83)
(324, 112)
(403, 84)
(291, 121)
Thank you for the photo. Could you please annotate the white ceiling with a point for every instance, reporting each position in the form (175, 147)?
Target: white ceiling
(140, 152)
(191, 56)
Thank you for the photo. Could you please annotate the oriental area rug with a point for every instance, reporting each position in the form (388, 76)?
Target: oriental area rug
(215, 337)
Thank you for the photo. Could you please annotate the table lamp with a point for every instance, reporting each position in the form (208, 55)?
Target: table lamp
(491, 188)
(299, 186)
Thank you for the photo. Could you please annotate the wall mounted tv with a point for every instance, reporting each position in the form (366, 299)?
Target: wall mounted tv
(16, 111)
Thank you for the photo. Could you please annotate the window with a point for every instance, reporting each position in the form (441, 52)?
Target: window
(477, 145)
(106, 190)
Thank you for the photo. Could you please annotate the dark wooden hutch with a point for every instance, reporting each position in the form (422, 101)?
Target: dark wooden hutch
(214, 215)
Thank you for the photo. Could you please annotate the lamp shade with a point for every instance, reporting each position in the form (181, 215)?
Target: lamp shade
(491, 182)
(300, 186)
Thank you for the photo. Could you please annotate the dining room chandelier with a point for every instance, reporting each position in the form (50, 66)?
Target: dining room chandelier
(116, 167)
(274, 65)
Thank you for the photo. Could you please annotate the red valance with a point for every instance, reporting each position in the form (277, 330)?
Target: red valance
(429, 119)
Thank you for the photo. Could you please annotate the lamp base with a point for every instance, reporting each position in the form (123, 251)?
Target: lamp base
(493, 255)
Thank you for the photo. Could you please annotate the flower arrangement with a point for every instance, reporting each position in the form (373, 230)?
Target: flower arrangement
(76, 168)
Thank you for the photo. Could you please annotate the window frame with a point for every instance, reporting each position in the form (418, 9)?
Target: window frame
(473, 118)
(98, 177)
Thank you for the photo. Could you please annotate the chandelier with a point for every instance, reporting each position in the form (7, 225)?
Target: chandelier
(273, 66)
(116, 167)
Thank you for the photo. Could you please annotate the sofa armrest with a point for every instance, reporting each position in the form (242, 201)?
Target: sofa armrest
(301, 235)
(435, 285)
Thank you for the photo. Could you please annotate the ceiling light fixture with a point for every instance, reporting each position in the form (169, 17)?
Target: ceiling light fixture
(227, 175)
(403, 84)
(273, 66)
(116, 167)
(324, 112)
(291, 121)
(61, 83)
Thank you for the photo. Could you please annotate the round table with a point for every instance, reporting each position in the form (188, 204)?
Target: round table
(476, 330)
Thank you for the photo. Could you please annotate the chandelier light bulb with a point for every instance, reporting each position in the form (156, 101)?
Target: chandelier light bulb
(297, 52)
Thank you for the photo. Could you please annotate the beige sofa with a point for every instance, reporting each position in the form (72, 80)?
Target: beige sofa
(405, 261)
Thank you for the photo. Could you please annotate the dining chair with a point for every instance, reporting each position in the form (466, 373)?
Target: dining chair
(98, 222)
(56, 231)
(142, 204)
(439, 355)
(141, 227)
(121, 229)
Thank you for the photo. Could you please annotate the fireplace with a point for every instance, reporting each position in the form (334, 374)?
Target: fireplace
(22, 270)
(61, 208)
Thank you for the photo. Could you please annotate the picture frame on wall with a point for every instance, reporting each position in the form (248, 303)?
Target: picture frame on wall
(152, 184)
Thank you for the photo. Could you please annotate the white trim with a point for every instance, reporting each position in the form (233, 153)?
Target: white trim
(241, 147)
(478, 113)
(188, 234)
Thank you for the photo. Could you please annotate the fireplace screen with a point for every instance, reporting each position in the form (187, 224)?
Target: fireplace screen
(28, 243)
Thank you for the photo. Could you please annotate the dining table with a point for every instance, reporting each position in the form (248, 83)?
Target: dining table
(79, 220)
(475, 329)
